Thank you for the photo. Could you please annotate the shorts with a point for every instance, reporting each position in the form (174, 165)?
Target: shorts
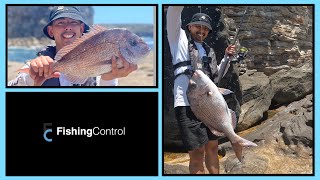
(194, 133)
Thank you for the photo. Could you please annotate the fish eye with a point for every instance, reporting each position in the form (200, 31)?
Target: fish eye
(133, 42)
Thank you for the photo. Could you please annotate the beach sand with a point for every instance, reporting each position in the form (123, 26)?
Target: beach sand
(145, 75)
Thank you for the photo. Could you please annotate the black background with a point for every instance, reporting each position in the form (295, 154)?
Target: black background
(28, 154)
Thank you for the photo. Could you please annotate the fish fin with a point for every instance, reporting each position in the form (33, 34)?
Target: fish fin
(217, 133)
(95, 29)
(234, 120)
(224, 91)
(23, 70)
(98, 28)
(237, 148)
(238, 145)
(245, 143)
(76, 79)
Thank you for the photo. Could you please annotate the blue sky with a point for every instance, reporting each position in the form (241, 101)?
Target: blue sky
(123, 14)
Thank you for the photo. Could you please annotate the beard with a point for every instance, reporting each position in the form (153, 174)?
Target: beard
(198, 36)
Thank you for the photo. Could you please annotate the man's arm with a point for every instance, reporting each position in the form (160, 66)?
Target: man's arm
(225, 62)
(22, 79)
(35, 72)
(174, 25)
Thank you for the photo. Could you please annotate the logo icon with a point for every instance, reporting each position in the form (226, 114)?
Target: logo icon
(202, 18)
(46, 131)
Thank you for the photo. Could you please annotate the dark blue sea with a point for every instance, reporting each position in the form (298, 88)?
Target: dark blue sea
(22, 54)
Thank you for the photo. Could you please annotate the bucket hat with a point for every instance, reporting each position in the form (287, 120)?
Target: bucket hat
(201, 19)
(65, 12)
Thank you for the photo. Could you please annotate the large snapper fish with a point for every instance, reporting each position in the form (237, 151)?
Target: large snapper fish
(90, 55)
(209, 106)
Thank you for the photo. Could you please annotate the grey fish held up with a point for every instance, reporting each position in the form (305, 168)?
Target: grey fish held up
(90, 55)
(209, 106)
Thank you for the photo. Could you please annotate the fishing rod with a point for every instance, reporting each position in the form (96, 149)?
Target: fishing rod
(238, 29)
(220, 75)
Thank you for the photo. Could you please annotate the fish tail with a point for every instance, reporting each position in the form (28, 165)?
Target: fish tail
(246, 143)
(238, 146)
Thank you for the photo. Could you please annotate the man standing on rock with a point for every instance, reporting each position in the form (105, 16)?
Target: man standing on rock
(189, 51)
(65, 25)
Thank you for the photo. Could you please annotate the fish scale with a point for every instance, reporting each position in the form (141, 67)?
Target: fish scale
(209, 106)
(204, 112)
(90, 55)
(91, 67)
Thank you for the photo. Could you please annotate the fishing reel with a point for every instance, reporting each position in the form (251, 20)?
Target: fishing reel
(242, 54)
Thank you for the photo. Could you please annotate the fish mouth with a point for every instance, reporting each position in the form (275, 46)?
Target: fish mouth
(192, 84)
(195, 74)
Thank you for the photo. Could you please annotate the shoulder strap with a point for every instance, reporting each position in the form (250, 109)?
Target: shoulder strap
(206, 47)
(180, 64)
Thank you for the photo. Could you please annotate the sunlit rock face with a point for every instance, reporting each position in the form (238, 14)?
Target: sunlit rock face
(278, 37)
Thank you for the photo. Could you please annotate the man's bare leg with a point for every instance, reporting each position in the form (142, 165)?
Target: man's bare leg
(211, 157)
(196, 161)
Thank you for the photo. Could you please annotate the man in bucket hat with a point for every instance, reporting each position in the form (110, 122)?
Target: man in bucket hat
(65, 25)
(190, 52)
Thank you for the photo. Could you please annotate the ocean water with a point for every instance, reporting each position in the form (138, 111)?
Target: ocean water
(21, 54)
